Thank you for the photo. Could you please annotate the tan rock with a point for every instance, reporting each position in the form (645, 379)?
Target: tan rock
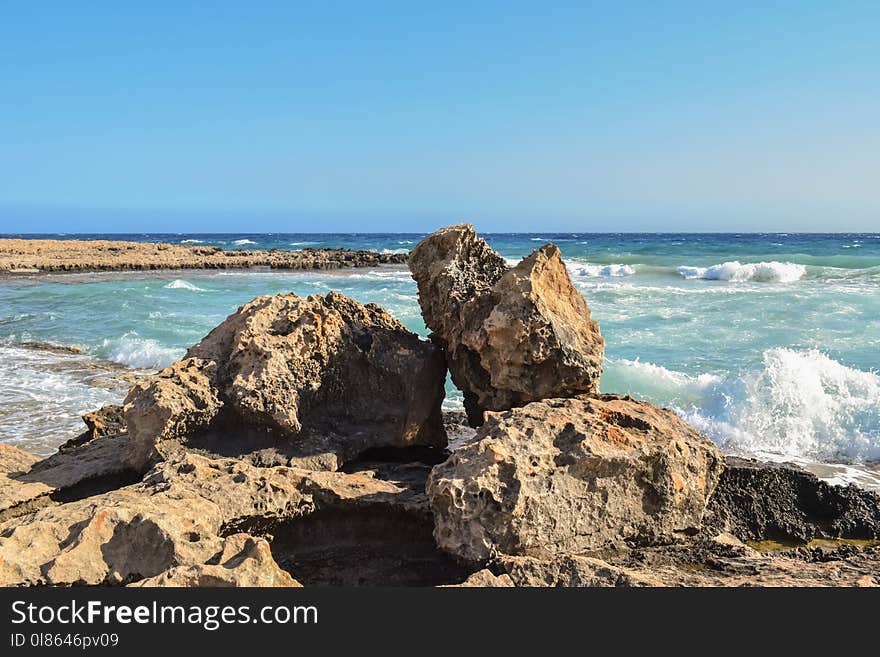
(565, 475)
(171, 525)
(20, 256)
(512, 335)
(484, 579)
(36, 483)
(324, 373)
(572, 571)
(244, 561)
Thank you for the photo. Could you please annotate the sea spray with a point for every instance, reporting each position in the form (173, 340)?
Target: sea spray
(800, 404)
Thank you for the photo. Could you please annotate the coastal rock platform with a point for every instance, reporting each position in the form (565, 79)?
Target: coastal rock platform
(20, 256)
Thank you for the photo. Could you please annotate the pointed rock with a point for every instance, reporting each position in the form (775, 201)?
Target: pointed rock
(512, 335)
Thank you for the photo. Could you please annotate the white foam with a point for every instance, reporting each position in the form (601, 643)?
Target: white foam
(300, 243)
(132, 350)
(587, 270)
(180, 284)
(191, 241)
(389, 251)
(240, 242)
(800, 404)
(765, 272)
(44, 394)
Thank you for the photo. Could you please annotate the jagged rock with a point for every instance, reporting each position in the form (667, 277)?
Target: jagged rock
(771, 501)
(108, 420)
(565, 475)
(484, 579)
(512, 335)
(695, 563)
(372, 525)
(244, 561)
(571, 571)
(323, 378)
(95, 466)
(114, 538)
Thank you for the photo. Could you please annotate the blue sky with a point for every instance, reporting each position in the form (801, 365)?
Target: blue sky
(315, 116)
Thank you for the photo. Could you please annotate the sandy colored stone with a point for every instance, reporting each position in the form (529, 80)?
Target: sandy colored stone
(31, 483)
(18, 256)
(565, 475)
(175, 520)
(696, 564)
(484, 579)
(512, 335)
(323, 372)
(244, 561)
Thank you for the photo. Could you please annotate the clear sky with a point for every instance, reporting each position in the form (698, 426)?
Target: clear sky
(395, 116)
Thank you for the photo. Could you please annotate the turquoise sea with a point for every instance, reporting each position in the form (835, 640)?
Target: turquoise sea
(769, 343)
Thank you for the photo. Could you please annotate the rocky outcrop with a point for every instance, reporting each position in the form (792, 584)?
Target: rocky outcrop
(716, 562)
(243, 561)
(368, 526)
(567, 475)
(512, 335)
(322, 375)
(770, 501)
(18, 256)
(30, 484)
(108, 420)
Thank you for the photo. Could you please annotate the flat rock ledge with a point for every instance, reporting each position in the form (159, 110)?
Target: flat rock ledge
(19, 256)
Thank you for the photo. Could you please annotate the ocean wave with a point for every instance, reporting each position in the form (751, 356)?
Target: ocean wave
(300, 243)
(579, 269)
(800, 404)
(764, 272)
(191, 241)
(180, 284)
(43, 396)
(390, 251)
(242, 242)
(135, 351)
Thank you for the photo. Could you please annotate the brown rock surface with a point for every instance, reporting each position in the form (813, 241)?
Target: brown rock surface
(30, 483)
(512, 335)
(372, 525)
(703, 563)
(243, 561)
(565, 475)
(324, 373)
(35, 256)
(108, 420)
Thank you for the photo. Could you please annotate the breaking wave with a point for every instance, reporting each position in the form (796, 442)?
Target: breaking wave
(180, 284)
(800, 404)
(765, 272)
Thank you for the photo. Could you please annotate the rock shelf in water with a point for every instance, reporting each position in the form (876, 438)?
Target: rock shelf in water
(18, 256)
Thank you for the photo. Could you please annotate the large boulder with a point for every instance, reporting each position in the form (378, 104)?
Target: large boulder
(567, 475)
(323, 372)
(512, 335)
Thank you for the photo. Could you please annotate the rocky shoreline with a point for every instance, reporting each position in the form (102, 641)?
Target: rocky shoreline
(21, 256)
(302, 443)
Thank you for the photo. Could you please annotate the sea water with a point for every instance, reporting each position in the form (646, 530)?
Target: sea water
(768, 343)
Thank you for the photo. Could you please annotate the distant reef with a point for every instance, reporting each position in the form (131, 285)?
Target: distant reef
(18, 256)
